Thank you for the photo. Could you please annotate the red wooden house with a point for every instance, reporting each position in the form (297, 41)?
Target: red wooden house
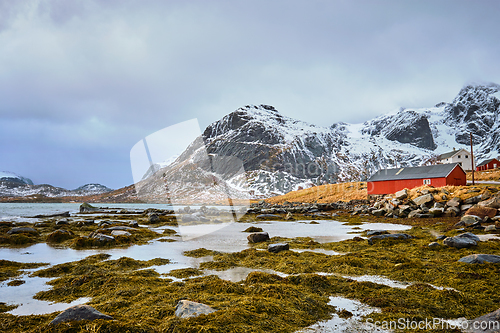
(492, 163)
(392, 180)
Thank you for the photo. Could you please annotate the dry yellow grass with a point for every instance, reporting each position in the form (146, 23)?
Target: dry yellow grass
(324, 193)
(485, 175)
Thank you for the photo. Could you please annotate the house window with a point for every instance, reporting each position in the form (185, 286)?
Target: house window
(458, 156)
(466, 156)
(427, 181)
(460, 163)
(494, 166)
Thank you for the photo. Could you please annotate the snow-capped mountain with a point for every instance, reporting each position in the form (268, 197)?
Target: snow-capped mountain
(281, 154)
(15, 178)
(12, 185)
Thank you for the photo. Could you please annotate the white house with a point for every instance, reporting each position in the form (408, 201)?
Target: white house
(461, 156)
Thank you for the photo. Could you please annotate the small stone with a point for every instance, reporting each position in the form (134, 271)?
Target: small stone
(455, 202)
(79, 312)
(268, 216)
(436, 211)
(101, 237)
(379, 212)
(154, 218)
(188, 309)
(433, 245)
(275, 248)
(473, 200)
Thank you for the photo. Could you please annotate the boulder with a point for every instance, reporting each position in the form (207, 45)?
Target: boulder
(423, 199)
(470, 220)
(59, 236)
(87, 208)
(455, 202)
(490, 228)
(120, 233)
(452, 211)
(491, 203)
(22, 230)
(379, 212)
(461, 241)
(482, 212)
(464, 208)
(388, 236)
(472, 200)
(133, 224)
(414, 212)
(188, 309)
(490, 323)
(480, 259)
(403, 194)
(79, 312)
(258, 237)
(275, 248)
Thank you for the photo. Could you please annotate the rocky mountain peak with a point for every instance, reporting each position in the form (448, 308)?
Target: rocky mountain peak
(474, 110)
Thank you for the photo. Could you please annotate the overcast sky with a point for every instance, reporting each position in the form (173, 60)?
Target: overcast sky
(82, 81)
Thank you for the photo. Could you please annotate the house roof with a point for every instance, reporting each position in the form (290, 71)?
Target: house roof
(451, 154)
(486, 162)
(430, 171)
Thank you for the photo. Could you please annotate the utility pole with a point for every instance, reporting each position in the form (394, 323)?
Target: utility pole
(471, 157)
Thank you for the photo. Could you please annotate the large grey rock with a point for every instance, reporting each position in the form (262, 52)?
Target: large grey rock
(275, 248)
(22, 230)
(79, 312)
(423, 199)
(403, 194)
(491, 203)
(388, 236)
(470, 219)
(452, 211)
(489, 323)
(188, 309)
(455, 202)
(258, 237)
(472, 200)
(480, 259)
(462, 241)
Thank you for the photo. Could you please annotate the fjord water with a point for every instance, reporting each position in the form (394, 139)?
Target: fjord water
(228, 239)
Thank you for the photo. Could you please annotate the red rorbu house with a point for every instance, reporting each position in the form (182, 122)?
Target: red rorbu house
(492, 163)
(392, 180)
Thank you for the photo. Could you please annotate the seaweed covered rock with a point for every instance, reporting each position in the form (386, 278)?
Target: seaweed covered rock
(87, 208)
(22, 230)
(258, 237)
(188, 309)
(59, 236)
(79, 312)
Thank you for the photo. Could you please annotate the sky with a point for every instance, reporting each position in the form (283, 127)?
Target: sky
(82, 81)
